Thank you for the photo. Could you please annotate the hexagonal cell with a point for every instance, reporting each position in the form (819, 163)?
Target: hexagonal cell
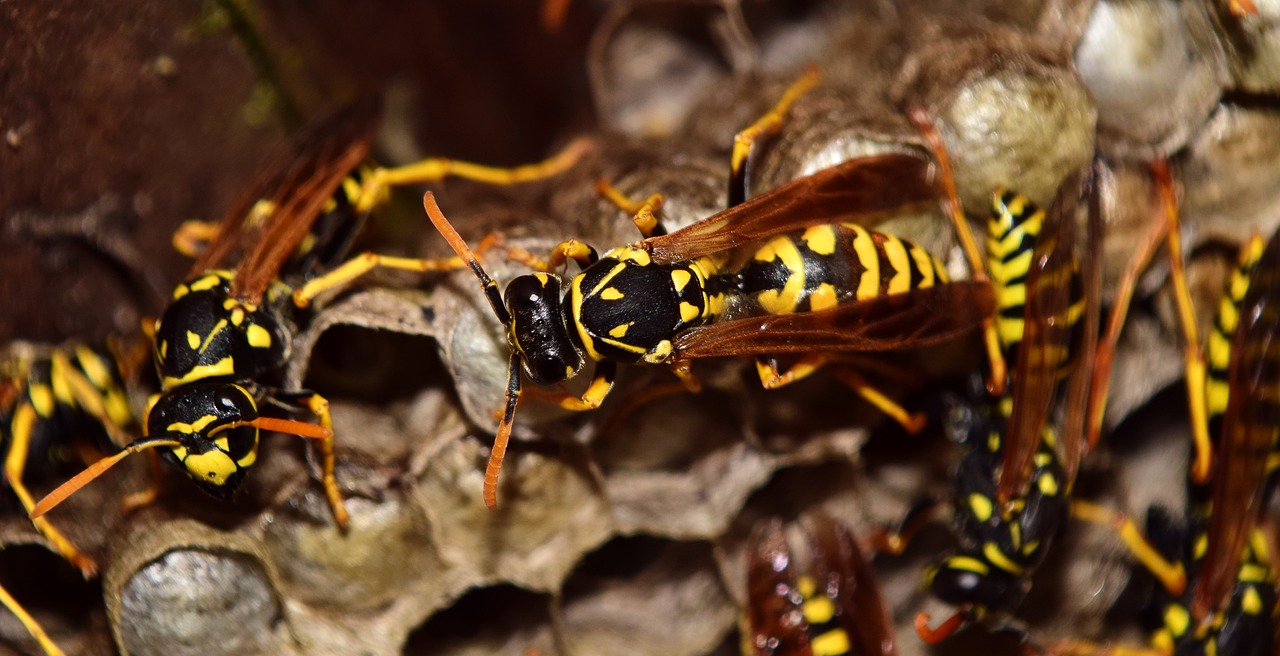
(656, 597)
(184, 601)
(501, 619)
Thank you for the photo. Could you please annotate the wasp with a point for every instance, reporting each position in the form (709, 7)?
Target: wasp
(1221, 598)
(222, 341)
(1012, 486)
(57, 405)
(834, 608)
(791, 272)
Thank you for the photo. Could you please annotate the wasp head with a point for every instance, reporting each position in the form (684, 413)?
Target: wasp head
(208, 420)
(537, 330)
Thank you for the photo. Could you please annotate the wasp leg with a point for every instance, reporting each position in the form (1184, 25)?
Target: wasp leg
(364, 263)
(377, 186)
(1115, 322)
(1171, 575)
(998, 379)
(30, 623)
(590, 399)
(570, 249)
(192, 237)
(1193, 358)
(1242, 8)
(319, 406)
(768, 124)
(644, 214)
(771, 378)
(24, 418)
(894, 541)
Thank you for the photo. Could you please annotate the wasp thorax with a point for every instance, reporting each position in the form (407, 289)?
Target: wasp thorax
(207, 419)
(537, 330)
(965, 580)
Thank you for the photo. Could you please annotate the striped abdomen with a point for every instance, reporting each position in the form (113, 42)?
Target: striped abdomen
(1012, 231)
(1218, 356)
(827, 265)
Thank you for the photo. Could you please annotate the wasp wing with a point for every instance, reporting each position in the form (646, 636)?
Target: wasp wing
(842, 573)
(775, 624)
(1249, 429)
(1045, 339)
(297, 185)
(885, 323)
(862, 190)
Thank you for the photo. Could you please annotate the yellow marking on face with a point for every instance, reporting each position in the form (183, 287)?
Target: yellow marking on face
(611, 294)
(782, 301)
(542, 277)
(820, 239)
(223, 367)
(896, 253)
(41, 399)
(180, 452)
(193, 427)
(680, 279)
(991, 551)
(214, 466)
(865, 248)
(193, 340)
(258, 336)
(832, 643)
(981, 506)
(619, 331)
(689, 312)
(1177, 619)
(178, 292)
(206, 283)
(968, 564)
(824, 297)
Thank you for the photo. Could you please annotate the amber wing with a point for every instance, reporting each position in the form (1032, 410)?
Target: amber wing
(862, 191)
(886, 323)
(1248, 429)
(1046, 336)
(840, 568)
(298, 184)
(775, 623)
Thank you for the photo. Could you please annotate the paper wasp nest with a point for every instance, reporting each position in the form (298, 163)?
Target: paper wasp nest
(623, 530)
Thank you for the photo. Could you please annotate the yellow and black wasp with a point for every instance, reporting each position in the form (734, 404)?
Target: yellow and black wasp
(1012, 486)
(834, 608)
(221, 343)
(1217, 567)
(789, 273)
(58, 406)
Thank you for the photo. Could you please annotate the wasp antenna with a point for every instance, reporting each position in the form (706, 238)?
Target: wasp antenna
(460, 247)
(944, 630)
(289, 427)
(503, 435)
(95, 470)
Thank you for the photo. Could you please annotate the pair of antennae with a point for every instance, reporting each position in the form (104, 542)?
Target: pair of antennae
(491, 293)
(93, 471)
